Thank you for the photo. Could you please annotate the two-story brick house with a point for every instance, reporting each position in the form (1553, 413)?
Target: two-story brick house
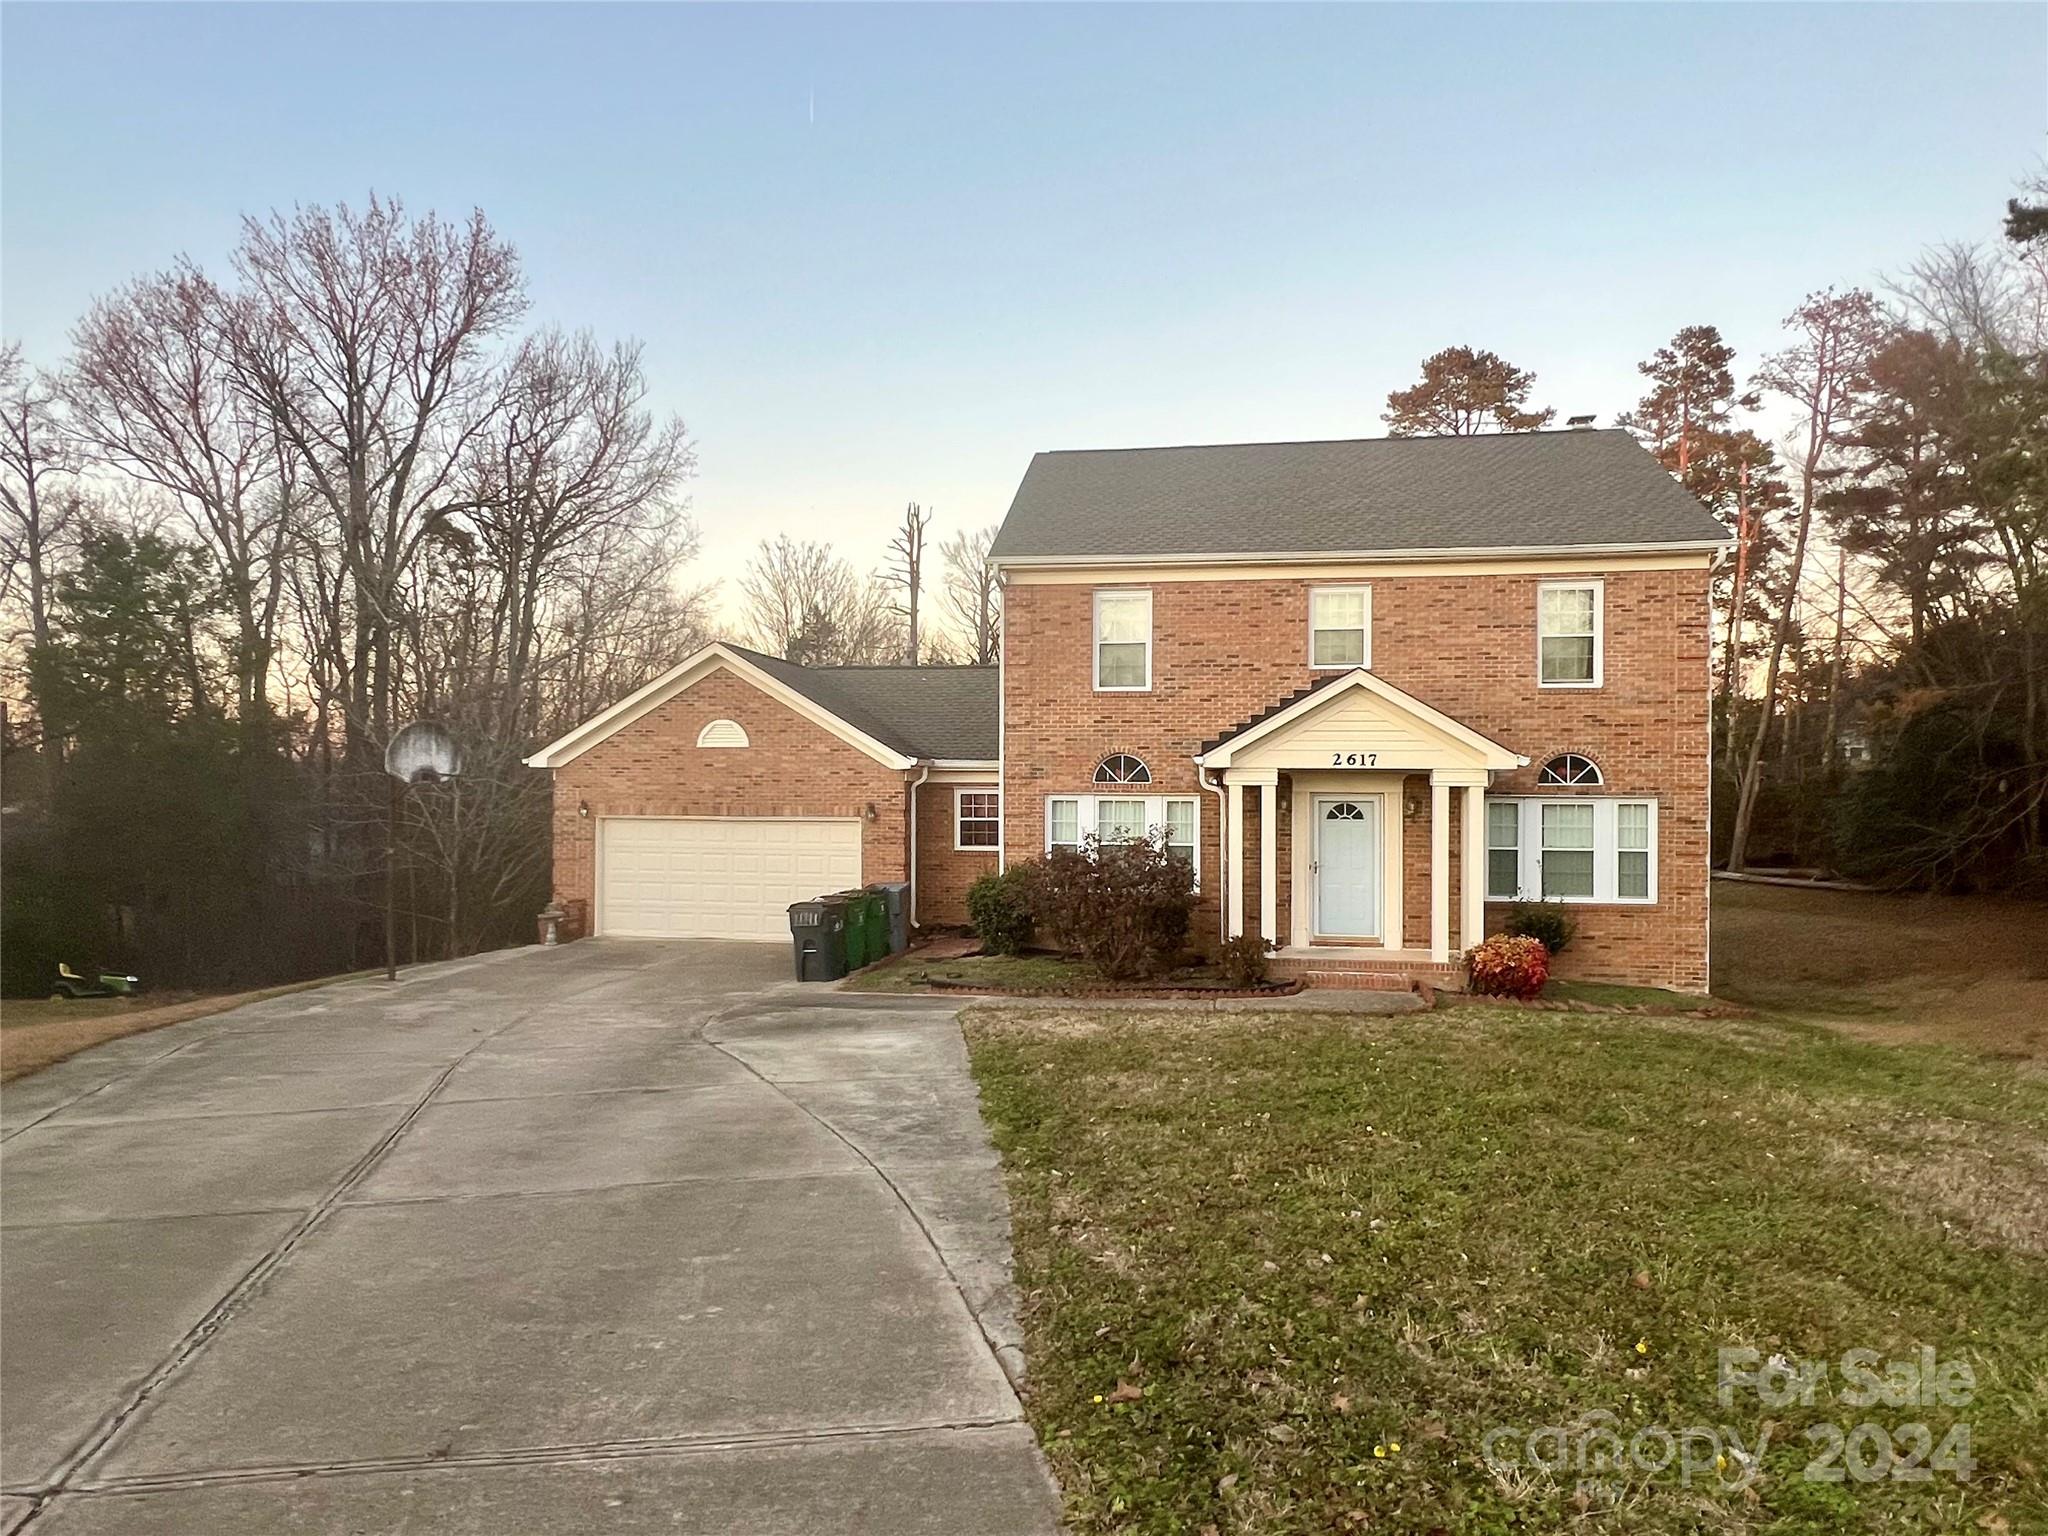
(1369, 686)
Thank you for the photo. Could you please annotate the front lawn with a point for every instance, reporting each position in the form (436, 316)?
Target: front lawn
(1284, 1272)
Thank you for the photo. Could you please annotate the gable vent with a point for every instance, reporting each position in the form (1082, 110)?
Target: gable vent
(722, 733)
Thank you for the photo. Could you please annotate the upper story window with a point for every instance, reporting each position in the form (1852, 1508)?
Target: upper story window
(1340, 627)
(1123, 642)
(977, 819)
(1568, 642)
(1569, 768)
(722, 733)
(1122, 768)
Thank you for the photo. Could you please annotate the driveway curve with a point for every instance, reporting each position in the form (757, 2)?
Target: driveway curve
(613, 1237)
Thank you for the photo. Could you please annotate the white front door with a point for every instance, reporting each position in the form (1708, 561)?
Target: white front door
(1347, 866)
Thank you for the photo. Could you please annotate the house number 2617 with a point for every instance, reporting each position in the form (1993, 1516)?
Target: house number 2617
(1353, 759)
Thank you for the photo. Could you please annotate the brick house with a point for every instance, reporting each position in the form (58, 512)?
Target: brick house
(1373, 688)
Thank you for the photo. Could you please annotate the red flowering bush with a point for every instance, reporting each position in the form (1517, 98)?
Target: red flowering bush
(1507, 965)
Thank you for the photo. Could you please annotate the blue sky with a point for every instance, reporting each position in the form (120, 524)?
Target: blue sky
(879, 254)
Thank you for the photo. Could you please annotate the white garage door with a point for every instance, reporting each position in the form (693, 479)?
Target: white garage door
(664, 878)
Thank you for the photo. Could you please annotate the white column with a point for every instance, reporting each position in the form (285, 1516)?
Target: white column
(1234, 859)
(1439, 870)
(1472, 928)
(1269, 860)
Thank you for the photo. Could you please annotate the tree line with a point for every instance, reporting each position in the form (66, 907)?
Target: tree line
(260, 517)
(1881, 631)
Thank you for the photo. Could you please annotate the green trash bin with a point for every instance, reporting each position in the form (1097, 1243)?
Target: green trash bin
(860, 931)
(877, 919)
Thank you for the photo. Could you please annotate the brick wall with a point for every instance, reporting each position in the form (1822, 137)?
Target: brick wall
(943, 872)
(1226, 650)
(793, 767)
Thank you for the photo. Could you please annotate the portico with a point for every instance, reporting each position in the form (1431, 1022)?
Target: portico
(1357, 763)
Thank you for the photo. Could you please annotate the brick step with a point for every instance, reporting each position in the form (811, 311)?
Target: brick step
(1355, 981)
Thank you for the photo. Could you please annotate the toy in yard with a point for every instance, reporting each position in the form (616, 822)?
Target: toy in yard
(106, 984)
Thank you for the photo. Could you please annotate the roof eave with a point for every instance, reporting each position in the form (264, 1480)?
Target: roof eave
(1326, 556)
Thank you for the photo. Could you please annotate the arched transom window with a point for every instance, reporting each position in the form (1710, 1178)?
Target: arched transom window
(1122, 768)
(1344, 810)
(1569, 768)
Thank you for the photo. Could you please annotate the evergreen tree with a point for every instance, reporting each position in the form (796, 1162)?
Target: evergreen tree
(1463, 393)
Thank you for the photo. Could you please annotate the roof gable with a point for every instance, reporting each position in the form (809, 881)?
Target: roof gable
(1577, 489)
(897, 715)
(1355, 715)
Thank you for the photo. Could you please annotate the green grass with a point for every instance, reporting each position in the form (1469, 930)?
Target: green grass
(1019, 973)
(1257, 1252)
(1610, 994)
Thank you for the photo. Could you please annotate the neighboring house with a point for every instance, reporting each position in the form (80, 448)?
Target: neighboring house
(1370, 687)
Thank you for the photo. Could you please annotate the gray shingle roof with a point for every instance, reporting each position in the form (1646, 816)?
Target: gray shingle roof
(947, 712)
(1362, 496)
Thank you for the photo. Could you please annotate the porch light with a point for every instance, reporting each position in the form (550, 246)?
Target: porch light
(583, 809)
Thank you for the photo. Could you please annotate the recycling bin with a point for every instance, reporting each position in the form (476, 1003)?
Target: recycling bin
(863, 944)
(895, 896)
(817, 938)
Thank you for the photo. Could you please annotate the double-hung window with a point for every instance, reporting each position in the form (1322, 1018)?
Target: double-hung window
(977, 819)
(1120, 818)
(1123, 642)
(1568, 638)
(1339, 627)
(1579, 848)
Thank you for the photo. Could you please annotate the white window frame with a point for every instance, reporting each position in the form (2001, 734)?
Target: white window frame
(1577, 584)
(1492, 847)
(1085, 820)
(1606, 849)
(1366, 626)
(960, 795)
(1096, 642)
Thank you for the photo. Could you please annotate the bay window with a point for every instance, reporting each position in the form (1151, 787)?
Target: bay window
(1123, 818)
(1573, 849)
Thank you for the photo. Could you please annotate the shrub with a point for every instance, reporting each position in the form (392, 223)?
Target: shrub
(1242, 961)
(999, 907)
(1550, 921)
(1507, 965)
(1122, 906)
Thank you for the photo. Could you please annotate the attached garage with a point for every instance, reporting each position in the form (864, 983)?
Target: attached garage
(735, 783)
(665, 877)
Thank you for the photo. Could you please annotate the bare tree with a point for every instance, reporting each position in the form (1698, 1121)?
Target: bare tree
(361, 337)
(905, 567)
(151, 390)
(972, 595)
(1822, 373)
(806, 604)
(38, 492)
(571, 455)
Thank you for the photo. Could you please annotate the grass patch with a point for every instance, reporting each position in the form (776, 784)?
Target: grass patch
(37, 1032)
(1010, 973)
(1257, 1252)
(1610, 994)
(1053, 975)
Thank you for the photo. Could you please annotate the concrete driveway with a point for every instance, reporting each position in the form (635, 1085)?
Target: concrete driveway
(614, 1237)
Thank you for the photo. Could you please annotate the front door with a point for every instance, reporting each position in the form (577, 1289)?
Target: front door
(1347, 866)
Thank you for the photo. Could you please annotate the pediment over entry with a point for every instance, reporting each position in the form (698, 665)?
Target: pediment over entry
(1357, 720)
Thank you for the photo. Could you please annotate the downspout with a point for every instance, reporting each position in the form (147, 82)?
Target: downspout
(1222, 793)
(924, 771)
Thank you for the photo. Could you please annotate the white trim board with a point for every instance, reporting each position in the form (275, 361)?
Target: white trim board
(694, 669)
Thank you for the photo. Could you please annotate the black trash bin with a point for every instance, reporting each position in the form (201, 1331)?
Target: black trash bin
(895, 896)
(817, 938)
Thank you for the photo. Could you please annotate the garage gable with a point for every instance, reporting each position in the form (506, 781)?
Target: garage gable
(686, 674)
